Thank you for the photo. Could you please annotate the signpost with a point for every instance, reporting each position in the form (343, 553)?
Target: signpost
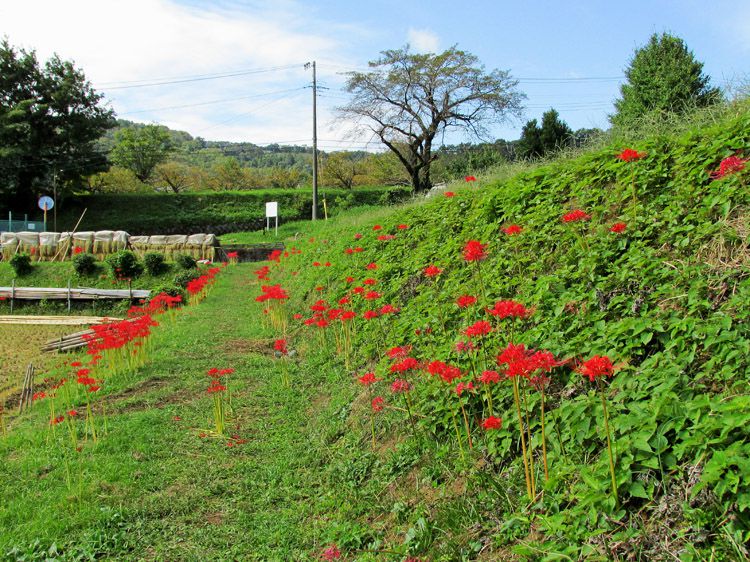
(45, 204)
(272, 211)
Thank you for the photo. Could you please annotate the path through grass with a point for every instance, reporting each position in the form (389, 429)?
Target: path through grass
(153, 488)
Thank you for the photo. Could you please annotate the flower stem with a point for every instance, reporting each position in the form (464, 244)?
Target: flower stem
(609, 443)
(544, 441)
(517, 400)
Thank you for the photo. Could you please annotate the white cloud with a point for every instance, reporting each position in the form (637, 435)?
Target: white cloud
(115, 42)
(423, 40)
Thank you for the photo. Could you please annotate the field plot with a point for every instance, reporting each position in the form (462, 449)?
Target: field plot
(21, 345)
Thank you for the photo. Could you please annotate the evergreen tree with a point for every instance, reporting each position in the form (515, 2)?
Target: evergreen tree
(554, 134)
(530, 143)
(663, 76)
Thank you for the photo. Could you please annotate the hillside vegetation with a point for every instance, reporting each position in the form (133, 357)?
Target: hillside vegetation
(664, 297)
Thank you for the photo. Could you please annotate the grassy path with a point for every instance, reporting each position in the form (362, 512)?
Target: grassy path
(153, 488)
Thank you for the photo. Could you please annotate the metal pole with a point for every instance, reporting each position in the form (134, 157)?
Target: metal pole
(54, 208)
(315, 147)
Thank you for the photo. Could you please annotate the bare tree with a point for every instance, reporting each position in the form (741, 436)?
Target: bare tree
(407, 99)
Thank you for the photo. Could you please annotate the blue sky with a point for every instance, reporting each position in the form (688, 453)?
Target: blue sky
(566, 55)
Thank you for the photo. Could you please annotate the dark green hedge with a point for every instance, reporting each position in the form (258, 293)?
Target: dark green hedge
(216, 212)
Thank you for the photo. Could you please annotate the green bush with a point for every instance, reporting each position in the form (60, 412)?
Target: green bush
(185, 277)
(124, 265)
(84, 264)
(154, 263)
(21, 264)
(185, 261)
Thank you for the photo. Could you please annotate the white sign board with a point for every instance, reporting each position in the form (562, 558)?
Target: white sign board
(272, 209)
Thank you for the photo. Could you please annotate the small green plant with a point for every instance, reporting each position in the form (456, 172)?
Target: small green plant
(124, 265)
(185, 277)
(154, 263)
(185, 261)
(21, 264)
(84, 264)
(173, 290)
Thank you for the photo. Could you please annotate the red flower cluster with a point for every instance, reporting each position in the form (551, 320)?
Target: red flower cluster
(262, 273)
(449, 194)
(618, 227)
(272, 292)
(575, 216)
(509, 309)
(512, 229)
(523, 362)
(630, 155)
(729, 165)
(470, 178)
(281, 346)
(465, 301)
(446, 372)
(597, 366)
(432, 271)
(478, 329)
(368, 378)
(474, 250)
(492, 423)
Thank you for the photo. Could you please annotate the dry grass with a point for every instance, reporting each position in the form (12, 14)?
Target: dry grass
(20, 345)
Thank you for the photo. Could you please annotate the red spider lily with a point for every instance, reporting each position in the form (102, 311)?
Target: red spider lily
(369, 314)
(319, 306)
(357, 236)
(492, 423)
(331, 553)
(465, 301)
(461, 387)
(377, 404)
(297, 316)
(72, 413)
(371, 266)
(370, 281)
(402, 226)
(474, 250)
(449, 194)
(272, 292)
(432, 271)
(406, 364)
(275, 256)
(215, 386)
(344, 300)
(729, 165)
(233, 255)
(630, 155)
(76, 364)
(316, 264)
(400, 385)
(349, 279)
(512, 229)
(372, 295)
(327, 264)
(478, 329)
(618, 227)
(386, 237)
(349, 251)
(377, 227)
(281, 346)
(597, 366)
(77, 250)
(399, 352)
(470, 178)
(509, 309)
(347, 315)
(576, 216)
(368, 378)
(57, 420)
(38, 396)
(388, 309)
(490, 377)
(262, 273)
(446, 372)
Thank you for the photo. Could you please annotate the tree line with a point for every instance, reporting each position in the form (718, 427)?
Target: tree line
(56, 133)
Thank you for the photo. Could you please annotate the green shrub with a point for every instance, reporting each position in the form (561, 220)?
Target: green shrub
(21, 264)
(185, 261)
(185, 277)
(155, 263)
(124, 265)
(84, 264)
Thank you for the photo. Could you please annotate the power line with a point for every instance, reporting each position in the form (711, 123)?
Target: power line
(226, 100)
(197, 78)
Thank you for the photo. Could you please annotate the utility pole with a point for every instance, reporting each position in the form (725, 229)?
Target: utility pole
(54, 198)
(315, 145)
